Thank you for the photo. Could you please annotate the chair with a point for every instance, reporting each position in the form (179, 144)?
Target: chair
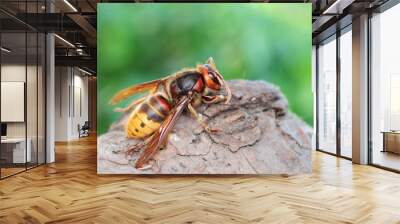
(84, 130)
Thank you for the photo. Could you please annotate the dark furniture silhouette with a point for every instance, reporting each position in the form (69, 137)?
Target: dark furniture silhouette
(84, 129)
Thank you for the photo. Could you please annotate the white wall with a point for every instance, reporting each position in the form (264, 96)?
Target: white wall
(33, 127)
(71, 94)
(80, 111)
(16, 73)
(61, 103)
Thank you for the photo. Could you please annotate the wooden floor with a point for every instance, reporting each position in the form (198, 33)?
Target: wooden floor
(70, 191)
(387, 159)
(5, 172)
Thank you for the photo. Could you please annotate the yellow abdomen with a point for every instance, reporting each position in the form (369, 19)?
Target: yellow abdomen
(147, 117)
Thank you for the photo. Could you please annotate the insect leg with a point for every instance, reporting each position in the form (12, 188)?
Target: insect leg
(130, 106)
(138, 146)
(213, 99)
(200, 120)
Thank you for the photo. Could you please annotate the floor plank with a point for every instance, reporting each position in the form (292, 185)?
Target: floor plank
(70, 191)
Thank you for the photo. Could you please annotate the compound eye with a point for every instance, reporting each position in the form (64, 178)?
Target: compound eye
(212, 81)
(213, 77)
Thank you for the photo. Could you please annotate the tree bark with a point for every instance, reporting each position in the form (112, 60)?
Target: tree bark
(258, 135)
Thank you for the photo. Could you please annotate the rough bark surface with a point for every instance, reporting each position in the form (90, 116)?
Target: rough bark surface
(258, 135)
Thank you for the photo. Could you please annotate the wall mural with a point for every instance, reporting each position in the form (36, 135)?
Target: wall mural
(204, 88)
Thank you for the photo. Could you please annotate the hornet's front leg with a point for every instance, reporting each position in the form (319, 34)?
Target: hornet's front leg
(201, 121)
(213, 99)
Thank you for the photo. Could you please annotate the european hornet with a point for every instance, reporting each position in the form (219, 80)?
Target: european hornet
(154, 115)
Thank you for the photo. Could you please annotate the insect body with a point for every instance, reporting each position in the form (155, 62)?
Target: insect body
(155, 114)
(148, 116)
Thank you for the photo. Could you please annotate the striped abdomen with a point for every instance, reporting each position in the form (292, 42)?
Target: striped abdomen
(147, 117)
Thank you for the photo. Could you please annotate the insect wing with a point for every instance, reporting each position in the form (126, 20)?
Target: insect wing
(127, 92)
(159, 137)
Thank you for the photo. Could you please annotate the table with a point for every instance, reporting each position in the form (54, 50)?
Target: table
(391, 141)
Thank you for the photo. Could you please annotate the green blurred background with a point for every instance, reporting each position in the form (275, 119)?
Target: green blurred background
(258, 41)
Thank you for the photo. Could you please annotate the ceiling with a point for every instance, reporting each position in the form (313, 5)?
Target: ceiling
(75, 22)
(332, 15)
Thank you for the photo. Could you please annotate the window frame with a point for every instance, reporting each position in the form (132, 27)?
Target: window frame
(336, 35)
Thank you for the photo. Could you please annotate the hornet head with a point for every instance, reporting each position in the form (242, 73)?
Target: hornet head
(214, 83)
